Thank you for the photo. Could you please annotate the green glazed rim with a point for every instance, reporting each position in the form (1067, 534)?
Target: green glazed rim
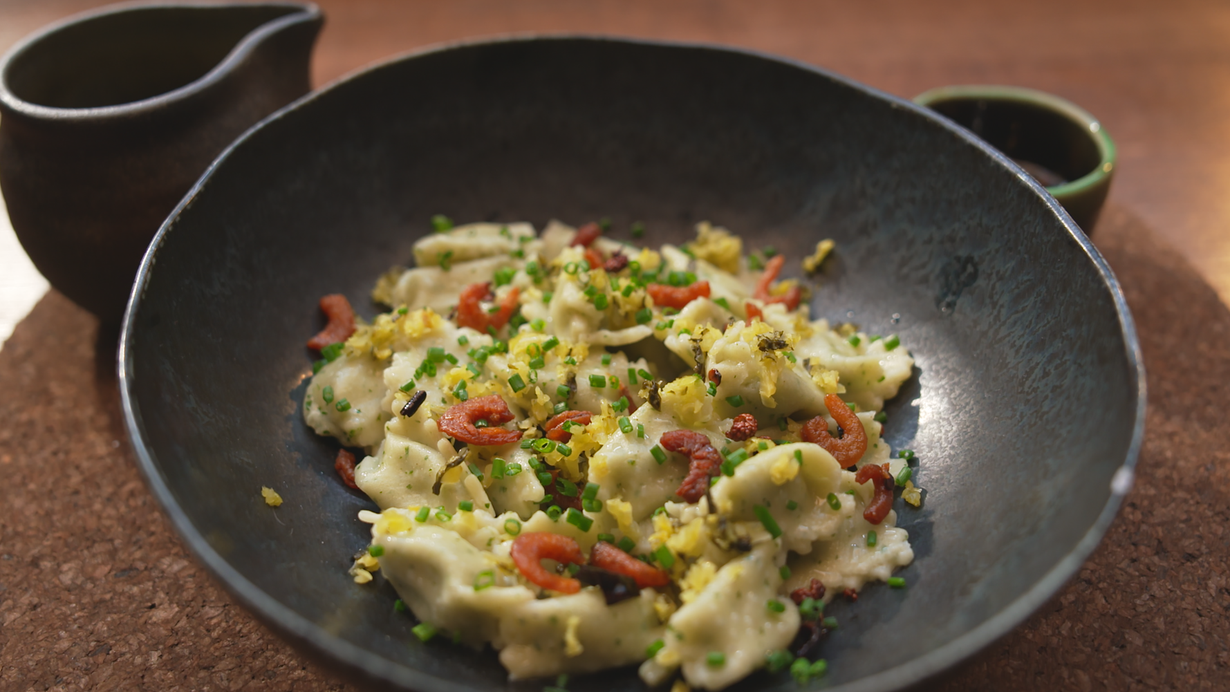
(1099, 176)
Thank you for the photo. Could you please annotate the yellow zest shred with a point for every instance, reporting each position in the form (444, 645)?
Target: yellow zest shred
(912, 494)
(272, 498)
(572, 645)
(823, 248)
(695, 581)
(717, 246)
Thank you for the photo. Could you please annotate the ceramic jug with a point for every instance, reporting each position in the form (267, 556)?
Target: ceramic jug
(109, 117)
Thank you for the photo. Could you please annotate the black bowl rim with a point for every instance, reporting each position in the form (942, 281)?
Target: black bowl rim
(304, 632)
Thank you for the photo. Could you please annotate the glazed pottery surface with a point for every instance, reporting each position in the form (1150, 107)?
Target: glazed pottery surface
(1026, 408)
(107, 118)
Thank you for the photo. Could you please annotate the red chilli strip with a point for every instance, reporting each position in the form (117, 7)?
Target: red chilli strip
(677, 296)
(586, 235)
(470, 312)
(594, 258)
(753, 312)
(613, 559)
(704, 461)
(341, 321)
(771, 270)
(458, 422)
(555, 426)
(344, 465)
(528, 551)
(814, 591)
(882, 501)
(743, 427)
(853, 443)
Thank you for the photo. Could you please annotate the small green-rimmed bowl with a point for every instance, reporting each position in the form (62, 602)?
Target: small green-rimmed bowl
(1054, 140)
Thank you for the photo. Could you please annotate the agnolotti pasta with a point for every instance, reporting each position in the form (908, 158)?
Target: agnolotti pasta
(588, 454)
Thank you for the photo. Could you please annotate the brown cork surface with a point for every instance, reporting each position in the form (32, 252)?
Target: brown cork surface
(97, 592)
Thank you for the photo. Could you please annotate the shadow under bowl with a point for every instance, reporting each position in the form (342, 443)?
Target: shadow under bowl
(1054, 140)
(1026, 406)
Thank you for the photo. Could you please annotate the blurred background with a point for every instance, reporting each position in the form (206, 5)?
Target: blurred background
(1157, 74)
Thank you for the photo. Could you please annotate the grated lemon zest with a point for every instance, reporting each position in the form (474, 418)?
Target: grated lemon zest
(572, 645)
(272, 498)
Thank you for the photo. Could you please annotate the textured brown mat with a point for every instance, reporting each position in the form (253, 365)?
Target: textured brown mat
(97, 592)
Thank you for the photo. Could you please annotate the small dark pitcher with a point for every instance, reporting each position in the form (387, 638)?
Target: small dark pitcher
(109, 117)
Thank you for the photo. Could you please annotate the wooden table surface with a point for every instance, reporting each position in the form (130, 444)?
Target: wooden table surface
(1150, 609)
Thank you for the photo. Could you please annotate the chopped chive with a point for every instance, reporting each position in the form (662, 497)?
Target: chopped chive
(664, 556)
(631, 375)
(343, 405)
(723, 302)
(626, 544)
(852, 406)
(516, 383)
(525, 444)
(316, 366)
(790, 357)
(601, 301)
(640, 431)
(606, 359)
(784, 572)
(830, 623)
(777, 660)
(570, 360)
(538, 325)
(762, 446)
(484, 579)
(727, 468)
(550, 344)
(463, 340)
(621, 405)
(625, 425)
(563, 449)
(399, 606)
(474, 369)
(792, 505)
(441, 223)
(498, 466)
(798, 455)
(658, 455)
(906, 454)
(712, 389)
(854, 340)
(800, 669)
(465, 506)
(643, 315)
(735, 401)
(715, 659)
(327, 394)
(770, 524)
(445, 260)
(563, 391)
(591, 492)
(423, 631)
(775, 606)
(737, 457)
(332, 351)
(504, 276)
(579, 520)
(597, 381)
(546, 296)
(375, 550)
(442, 515)
(871, 539)
(544, 478)
(591, 505)
(512, 527)
(423, 513)
(537, 363)
(810, 608)
(896, 582)
(904, 476)
(554, 512)
(653, 649)
(474, 470)
(565, 486)
(891, 342)
(606, 537)
(834, 502)
(638, 230)
(818, 668)
(559, 408)
(881, 417)
(512, 469)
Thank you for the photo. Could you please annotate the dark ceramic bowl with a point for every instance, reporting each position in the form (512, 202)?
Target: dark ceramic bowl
(1026, 410)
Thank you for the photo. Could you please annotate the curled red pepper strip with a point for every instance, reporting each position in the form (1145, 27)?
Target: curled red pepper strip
(853, 443)
(555, 426)
(529, 549)
(586, 235)
(341, 321)
(470, 312)
(677, 296)
(344, 465)
(753, 312)
(594, 258)
(882, 501)
(613, 559)
(704, 461)
(458, 421)
(771, 270)
(743, 427)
